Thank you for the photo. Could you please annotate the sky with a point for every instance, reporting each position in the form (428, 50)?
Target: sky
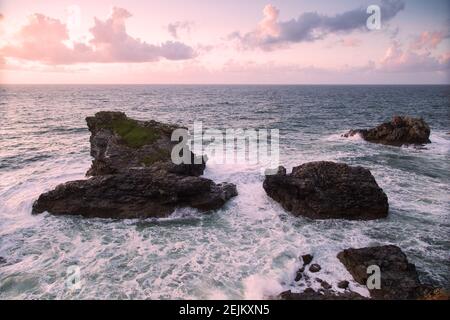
(224, 42)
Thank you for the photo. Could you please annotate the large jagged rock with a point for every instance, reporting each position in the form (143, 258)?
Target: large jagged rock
(119, 143)
(133, 175)
(399, 278)
(138, 193)
(328, 190)
(400, 131)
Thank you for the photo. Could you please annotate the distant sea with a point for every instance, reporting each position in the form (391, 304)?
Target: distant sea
(248, 249)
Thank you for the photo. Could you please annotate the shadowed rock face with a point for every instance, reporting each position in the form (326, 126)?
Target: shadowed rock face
(399, 279)
(119, 143)
(328, 190)
(400, 131)
(134, 194)
(133, 175)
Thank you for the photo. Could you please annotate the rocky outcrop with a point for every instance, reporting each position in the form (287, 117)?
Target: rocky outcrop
(311, 294)
(399, 278)
(328, 190)
(400, 131)
(326, 292)
(133, 176)
(137, 193)
(119, 143)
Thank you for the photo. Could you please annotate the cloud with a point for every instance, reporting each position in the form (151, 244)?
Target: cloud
(429, 39)
(43, 39)
(398, 60)
(175, 27)
(310, 26)
(350, 42)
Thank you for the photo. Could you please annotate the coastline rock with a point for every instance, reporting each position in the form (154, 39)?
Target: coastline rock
(119, 143)
(138, 193)
(315, 268)
(399, 278)
(307, 258)
(343, 284)
(328, 190)
(124, 185)
(2, 260)
(400, 131)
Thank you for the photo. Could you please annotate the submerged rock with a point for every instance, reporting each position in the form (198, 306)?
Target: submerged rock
(400, 131)
(119, 143)
(307, 258)
(328, 190)
(343, 284)
(315, 268)
(124, 185)
(399, 278)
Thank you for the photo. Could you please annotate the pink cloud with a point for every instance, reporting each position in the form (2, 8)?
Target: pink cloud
(309, 26)
(429, 40)
(398, 60)
(350, 42)
(43, 39)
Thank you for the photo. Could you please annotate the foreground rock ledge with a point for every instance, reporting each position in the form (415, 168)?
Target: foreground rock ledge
(399, 278)
(133, 176)
(400, 131)
(328, 190)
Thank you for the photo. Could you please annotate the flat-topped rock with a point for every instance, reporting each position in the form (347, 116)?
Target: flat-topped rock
(400, 131)
(328, 190)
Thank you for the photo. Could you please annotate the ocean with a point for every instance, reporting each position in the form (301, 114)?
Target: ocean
(248, 249)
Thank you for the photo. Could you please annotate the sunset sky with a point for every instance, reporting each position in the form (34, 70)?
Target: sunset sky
(267, 42)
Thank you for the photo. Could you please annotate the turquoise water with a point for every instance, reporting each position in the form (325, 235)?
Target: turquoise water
(249, 248)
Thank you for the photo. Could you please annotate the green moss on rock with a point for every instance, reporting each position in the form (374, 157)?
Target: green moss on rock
(133, 134)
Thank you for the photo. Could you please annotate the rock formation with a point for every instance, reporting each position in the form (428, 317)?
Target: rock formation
(400, 131)
(399, 278)
(119, 143)
(133, 175)
(328, 190)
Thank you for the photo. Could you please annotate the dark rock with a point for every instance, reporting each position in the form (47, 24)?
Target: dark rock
(399, 279)
(325, 285)
(307, 258)
(310, 294)
(138, 193)
(298, 276)
(133, 175)
(314, 268)
(400, 131)
(119, 143)
(343, 284)
(328, 190)
(2, 260)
